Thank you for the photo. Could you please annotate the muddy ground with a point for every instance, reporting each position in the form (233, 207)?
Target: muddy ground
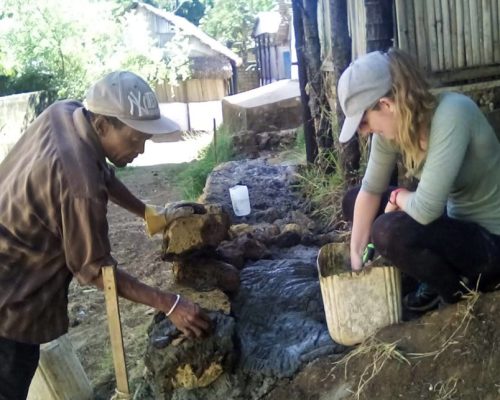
(453, 353)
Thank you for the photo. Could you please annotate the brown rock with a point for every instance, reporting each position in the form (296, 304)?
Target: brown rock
(196, 232)
(263, 231)
(243, 246)
(207, 274)
(175, 362)
(213, 300)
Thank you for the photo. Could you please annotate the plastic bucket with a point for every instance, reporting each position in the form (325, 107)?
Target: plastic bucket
(357, 304)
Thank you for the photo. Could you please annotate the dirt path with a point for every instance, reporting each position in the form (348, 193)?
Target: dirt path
(138, 255)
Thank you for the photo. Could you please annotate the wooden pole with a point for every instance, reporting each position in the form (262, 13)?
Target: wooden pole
(115, 331)
(309, 131)
(215, 141)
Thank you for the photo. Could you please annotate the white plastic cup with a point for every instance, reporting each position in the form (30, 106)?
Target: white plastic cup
(240, 200)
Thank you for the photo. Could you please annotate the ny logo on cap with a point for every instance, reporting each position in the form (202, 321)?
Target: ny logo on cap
(144, 103)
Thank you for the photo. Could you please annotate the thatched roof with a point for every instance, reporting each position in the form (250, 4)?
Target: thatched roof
(189, 29)
(210, 68)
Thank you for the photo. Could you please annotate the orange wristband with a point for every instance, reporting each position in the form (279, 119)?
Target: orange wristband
(394, 196)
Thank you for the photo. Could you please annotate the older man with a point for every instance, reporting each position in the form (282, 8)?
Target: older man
(54, 188)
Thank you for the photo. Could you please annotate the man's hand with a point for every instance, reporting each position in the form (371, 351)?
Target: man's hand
(190, 319)
(158, 219)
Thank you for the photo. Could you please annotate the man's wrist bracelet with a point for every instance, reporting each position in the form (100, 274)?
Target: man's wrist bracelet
(175, 305)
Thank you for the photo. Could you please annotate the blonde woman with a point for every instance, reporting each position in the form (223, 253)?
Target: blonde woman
(447, 231)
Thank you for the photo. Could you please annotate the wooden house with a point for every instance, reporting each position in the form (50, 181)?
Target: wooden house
(212, 64)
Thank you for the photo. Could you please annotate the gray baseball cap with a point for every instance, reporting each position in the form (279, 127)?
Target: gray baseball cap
(365, 81)
(126, 96)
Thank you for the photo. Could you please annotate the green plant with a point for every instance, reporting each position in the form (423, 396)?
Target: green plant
(55, 45)
(324, 190)
(193, 178)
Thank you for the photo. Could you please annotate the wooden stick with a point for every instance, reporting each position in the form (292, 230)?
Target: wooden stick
(432, 39)
(412, 40)
(469, 60)
(421, 37)
(460, 35)
(487, 32)
(474, 32)
(115, 331)
(495, 15)
(402, 26)
(449, 37)
(439, 33)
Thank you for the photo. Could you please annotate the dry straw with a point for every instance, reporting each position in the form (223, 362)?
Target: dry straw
(380, 352)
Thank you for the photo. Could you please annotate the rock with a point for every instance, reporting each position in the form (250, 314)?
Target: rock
(173, 361)
(213, 300)
(264, 232)
(245, 143)
(269, 215)
(268, 187)
(240, 229)
(206, 274)
(303, 220)
(276, 140)
(325, 238)
(287, 239)
(231, 254)
(195, 233)
(245, 246)
(300, 229)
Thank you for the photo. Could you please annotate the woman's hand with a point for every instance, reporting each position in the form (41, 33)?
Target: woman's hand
(190, 319)
(396, 200)
(356, 261)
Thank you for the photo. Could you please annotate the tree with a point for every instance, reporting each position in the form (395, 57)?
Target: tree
(54, 45)
(231, 22)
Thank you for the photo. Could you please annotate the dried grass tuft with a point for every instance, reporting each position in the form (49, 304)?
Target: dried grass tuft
(379, 353)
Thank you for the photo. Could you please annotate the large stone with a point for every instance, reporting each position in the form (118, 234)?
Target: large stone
(175, 362)
(244, 246)
(263, 232)
(195, 233)
(203, 274)
(268, 186)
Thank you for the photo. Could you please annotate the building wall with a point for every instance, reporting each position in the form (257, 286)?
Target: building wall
(247, 80)
(193, 90)
(16, 113)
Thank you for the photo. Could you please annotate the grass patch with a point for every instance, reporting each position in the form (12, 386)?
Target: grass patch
(193, 178)
(324, 190)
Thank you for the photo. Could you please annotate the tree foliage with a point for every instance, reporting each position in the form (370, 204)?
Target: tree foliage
(66, 46)
(231, 22)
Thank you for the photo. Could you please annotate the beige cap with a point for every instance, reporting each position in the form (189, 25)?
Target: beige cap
(364, 82)
(130, 99)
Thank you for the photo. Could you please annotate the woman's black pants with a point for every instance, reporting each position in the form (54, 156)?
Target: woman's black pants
(439, 254)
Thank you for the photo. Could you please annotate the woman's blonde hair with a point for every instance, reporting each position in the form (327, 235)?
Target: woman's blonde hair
(414, 104)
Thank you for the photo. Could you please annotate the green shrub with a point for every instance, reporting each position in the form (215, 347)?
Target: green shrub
(193, 178)
(324, 191)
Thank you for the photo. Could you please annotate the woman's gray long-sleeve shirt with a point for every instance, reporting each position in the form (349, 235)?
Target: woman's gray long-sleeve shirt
(461, 170)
